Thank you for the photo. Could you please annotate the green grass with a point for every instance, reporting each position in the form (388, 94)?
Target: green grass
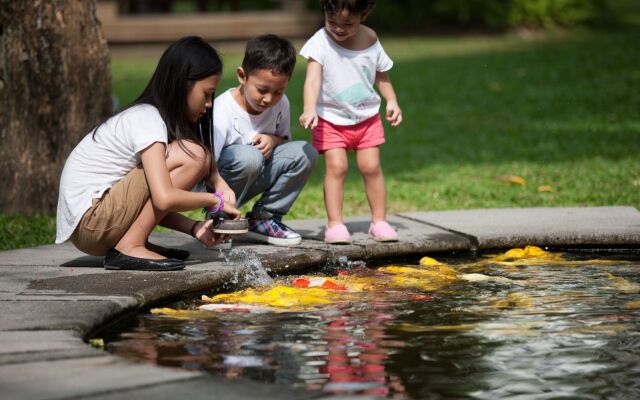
(558, 109)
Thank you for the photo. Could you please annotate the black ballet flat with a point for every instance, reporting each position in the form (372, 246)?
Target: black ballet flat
(178, 254)
(115, 260)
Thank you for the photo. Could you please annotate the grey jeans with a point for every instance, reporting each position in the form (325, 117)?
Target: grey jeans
(279, 179)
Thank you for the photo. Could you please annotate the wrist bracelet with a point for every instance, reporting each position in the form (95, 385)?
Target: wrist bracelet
(193, 229)
(219, 207)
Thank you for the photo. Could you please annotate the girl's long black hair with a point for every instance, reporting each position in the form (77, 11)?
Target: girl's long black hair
(185, 62)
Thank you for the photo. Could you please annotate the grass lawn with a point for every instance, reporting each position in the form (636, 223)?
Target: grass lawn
(561, 110)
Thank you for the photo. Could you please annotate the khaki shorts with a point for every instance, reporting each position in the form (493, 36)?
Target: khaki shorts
(111, 216)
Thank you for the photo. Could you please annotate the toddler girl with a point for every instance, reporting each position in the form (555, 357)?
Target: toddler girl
(345, 60)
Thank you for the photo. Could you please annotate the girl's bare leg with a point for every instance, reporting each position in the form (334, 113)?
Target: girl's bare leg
(185, 171)
(371, 170)
(337, 165)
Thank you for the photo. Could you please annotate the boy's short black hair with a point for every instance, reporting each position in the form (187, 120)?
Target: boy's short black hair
(353, 6)
(270, 52)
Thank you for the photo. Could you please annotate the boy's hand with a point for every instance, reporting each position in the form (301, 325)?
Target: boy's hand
(394, 114)
(309, 119)
(266, 143)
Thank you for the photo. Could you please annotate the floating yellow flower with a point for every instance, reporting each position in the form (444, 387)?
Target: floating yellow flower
(278, 296)
(429, 261)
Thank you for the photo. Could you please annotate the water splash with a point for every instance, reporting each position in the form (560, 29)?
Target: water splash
(341, 263)
(253, 274)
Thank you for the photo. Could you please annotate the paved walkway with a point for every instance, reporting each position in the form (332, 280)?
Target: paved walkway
(51, 297)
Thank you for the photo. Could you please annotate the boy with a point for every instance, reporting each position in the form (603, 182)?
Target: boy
(251, 141)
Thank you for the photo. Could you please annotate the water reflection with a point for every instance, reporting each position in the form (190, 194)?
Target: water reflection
(565, 329)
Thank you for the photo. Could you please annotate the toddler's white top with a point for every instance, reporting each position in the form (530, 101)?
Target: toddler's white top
(232, 124)
(347, 94)
(96, 165)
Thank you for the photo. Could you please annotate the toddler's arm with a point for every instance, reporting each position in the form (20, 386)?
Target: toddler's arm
(309, 117)
(394, 114)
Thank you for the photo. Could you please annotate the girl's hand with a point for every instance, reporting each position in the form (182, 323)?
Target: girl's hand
(266, 143)
(231, 211)
(221, 185)
(229, 197)
(204, 233)
(228, 208)
(394, 114)
(309, 119)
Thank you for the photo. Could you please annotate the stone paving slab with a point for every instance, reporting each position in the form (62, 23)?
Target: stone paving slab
(415, 238)
(61, 379)
(556, 227)
(33, 341)
(212, 388)
(82, 316)
(28, 346)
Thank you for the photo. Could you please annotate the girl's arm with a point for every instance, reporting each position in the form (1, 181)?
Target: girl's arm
(394, 114)
(177, 222)
(201, 230)
(216, 181)
(166, 197)
(309, 118)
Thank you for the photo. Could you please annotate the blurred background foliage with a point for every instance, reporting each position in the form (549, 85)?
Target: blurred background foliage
(427, 16)
(437, 16)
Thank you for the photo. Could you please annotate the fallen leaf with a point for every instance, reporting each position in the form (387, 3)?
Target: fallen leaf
(545, 188)
(511, 179)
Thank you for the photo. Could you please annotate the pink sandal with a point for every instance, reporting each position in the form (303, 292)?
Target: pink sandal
(337, 234)
(383, 232)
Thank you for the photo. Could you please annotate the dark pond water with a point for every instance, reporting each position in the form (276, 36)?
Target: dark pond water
(558, 326)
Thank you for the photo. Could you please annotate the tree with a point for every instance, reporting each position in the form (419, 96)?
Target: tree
(55, 84)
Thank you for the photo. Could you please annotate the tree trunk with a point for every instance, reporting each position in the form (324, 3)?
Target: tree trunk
(55, 84)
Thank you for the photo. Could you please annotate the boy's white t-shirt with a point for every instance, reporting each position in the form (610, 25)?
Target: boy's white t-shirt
(347, 94)
(232, 124)
(96, 165)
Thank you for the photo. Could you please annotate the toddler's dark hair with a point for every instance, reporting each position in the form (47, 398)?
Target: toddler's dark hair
(270, 52)
(353, 6)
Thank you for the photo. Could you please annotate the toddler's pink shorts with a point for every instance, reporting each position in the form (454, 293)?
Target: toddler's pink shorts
(363, 135)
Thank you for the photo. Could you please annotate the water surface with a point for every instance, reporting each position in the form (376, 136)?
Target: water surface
(561, 327)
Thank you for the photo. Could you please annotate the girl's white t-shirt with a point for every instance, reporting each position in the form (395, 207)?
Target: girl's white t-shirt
(232, 124)
(347, 94)
(96, 165)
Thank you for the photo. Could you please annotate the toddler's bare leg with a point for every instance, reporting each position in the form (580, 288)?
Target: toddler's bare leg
(371, 170)
(185, 172)
(337, 165)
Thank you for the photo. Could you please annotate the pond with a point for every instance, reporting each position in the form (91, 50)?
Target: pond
(526, 323)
